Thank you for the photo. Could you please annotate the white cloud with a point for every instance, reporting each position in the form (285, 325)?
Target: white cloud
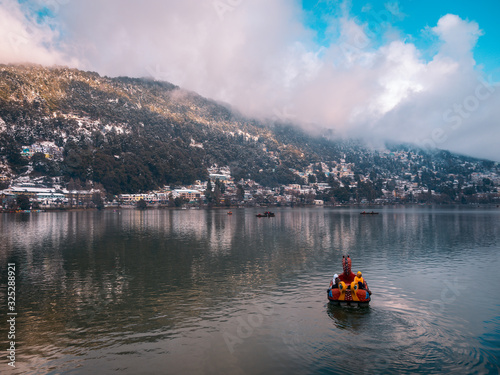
(23, 40)
(459, 36)
(258, 56)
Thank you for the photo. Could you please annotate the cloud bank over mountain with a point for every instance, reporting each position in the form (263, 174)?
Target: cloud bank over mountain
(369, 80)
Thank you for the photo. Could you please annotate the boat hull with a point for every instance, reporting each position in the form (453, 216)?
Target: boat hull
(362, 297)
(349, 303)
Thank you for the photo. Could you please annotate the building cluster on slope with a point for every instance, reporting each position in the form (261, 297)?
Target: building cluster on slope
(48, 149)
(409, 186)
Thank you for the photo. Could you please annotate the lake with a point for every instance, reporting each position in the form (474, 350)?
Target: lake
(200, 291)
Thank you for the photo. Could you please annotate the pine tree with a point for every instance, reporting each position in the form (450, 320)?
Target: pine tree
(209, 192)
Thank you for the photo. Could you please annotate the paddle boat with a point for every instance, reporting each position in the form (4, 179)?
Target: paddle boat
(348, 291)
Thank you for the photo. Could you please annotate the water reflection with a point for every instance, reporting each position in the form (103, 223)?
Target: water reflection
(163, 286)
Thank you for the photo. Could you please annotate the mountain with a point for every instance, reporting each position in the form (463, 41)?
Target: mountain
(133, 135)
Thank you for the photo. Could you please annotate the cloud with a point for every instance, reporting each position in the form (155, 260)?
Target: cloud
(458, 36)
(24, 40)
(260, 57)
(450, 103)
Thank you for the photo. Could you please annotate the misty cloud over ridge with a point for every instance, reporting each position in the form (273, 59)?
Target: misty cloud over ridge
(260, 57)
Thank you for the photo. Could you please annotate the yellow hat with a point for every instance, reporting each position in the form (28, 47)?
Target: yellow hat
(359, 273)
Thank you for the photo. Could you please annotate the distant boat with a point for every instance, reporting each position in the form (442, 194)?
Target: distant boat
(229, 213)
(369, 213)
(266, 214)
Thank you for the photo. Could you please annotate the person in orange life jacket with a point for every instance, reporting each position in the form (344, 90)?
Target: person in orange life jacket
(334, 284)
(359, 280)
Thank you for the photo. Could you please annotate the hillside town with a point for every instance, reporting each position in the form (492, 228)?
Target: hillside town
(325, 184)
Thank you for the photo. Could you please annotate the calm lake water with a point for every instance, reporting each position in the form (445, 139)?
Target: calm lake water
(199, 291)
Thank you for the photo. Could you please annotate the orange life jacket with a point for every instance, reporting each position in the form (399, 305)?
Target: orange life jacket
(359, 279)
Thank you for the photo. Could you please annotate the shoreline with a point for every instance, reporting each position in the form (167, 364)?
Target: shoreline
(371, 207)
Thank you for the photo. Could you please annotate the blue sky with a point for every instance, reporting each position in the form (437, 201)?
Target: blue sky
(412, 18)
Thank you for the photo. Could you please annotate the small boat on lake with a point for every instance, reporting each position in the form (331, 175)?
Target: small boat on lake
(369, 213)
(229, 212)
(266, 214)
(349, 290)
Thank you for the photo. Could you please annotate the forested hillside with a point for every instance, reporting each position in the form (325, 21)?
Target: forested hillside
(133, 135)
